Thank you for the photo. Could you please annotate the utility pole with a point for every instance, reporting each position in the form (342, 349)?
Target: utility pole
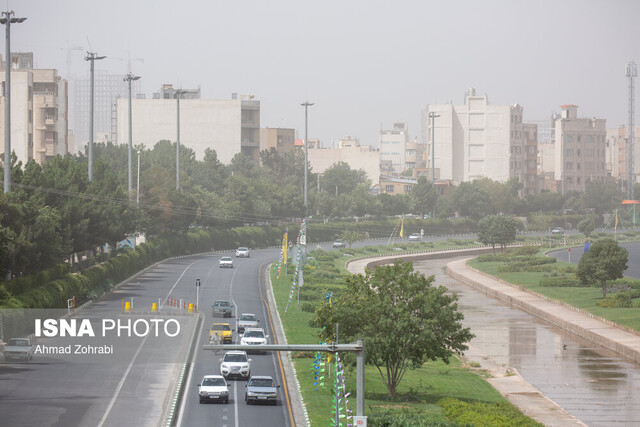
(433, 144)
(129, 78)
(178, 94)
(306, 105)
(92, 57)
(138, 186)
(8, 20)
(631, 72)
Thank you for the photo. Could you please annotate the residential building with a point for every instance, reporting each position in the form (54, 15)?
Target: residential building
(228, 126)
(393, 146)
(280, 139)
(39, 111)
(108, 90)
(546, 166)
(580, 154)
(396, 185)
(617, 154)
(349, 151)
(479, 139)
(167, 91)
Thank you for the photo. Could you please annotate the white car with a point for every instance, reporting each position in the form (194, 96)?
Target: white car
(213, 388)
(242, 252)
(225, 262)
(254, 337)
(415, 237)
(235, 364)
(246, 320)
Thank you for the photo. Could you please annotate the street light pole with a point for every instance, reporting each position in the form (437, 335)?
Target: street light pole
(306, 105)
(178, 94)
(8, 20)
(138, 187)
(433, 150)
(129, 78)
(92, 57)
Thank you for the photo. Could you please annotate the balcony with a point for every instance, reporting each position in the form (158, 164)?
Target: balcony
(250, 105)
(49, 120)
(249, 143)
(250, 124)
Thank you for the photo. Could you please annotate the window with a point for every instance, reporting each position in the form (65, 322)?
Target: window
(389, 188)
(568, 138)
(578, 166)
(408, 187)
(569, 152)
(588, 138)
(578, 152)
(569, 165)
(589, 165)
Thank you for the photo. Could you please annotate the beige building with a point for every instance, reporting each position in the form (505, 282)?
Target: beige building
(280, 139)
(546, 166)
(228, 126)
(39, 112)
(580, 154)
(349, 151)
(617, 154)
(393, 148)
(479, 139)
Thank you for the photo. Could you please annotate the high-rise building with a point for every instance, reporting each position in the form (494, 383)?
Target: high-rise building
(580, 153)
(393, 147)
(617, 153)
(39, 111)
(479, 139)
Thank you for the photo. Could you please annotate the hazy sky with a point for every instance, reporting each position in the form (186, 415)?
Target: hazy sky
(365, 63)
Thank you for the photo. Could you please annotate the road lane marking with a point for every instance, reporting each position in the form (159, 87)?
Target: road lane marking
(190, 376)
(177, 281)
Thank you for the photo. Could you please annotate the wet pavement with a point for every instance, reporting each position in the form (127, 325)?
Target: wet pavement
(596, 386)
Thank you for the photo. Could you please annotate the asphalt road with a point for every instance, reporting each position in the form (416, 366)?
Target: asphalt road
(633, 263)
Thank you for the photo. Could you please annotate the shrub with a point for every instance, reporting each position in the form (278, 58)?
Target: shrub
(308, 307)
(484, 414)
(560, 281)
(619, 300)
(526, 250)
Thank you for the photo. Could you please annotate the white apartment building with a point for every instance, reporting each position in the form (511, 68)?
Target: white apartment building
(393, 147)
(617, 154)
(580, 154)
(228, 126)
(478, 139)
(39, 110)
(351, 152)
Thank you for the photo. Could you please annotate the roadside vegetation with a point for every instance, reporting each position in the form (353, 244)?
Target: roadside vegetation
(430, 394)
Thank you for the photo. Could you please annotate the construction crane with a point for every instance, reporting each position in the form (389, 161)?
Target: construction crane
(128, 59)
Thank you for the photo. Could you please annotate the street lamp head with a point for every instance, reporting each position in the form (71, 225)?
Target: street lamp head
(91, 56)
(130, 77)
(307, 104)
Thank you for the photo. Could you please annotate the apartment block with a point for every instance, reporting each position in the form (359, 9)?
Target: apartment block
(479, 139)
(393, 147)
(617, 154)
(580, 154)
(349, 151)
(280, 139)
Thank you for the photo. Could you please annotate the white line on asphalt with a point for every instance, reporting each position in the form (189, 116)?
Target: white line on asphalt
(187, 387)
(177, 281)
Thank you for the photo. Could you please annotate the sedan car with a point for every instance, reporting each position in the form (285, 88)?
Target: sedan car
(213, 388)
(415, 237)
(242, 252)
(261, 389)
(225, 262)
(246, 320)
(235, 364)
(558, 230)
(254, 337)
(223, 331)
(339, 244)
(222, 308)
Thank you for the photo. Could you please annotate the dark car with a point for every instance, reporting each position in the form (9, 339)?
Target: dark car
(261, 389)
(222, 308)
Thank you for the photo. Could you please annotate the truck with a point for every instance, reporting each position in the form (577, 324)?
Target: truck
(18, 348)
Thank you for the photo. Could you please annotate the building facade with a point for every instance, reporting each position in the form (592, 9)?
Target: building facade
(617, 153)
(228, 126)
(393, 147)
(351, 152)
(280, 139)
(39, 111)
(479, 139)
(580, 154)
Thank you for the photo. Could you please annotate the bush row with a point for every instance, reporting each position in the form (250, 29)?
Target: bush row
(484, 414)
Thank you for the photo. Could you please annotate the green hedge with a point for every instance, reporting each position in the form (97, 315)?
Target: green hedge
(484, 414)
(561, 281)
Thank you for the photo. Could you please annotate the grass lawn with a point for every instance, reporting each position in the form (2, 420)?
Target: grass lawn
(420, 389)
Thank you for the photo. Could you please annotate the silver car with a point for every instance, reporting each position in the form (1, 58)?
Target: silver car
(246, 320)
(242, 252)
(261, 389)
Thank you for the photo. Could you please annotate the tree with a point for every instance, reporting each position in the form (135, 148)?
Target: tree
(340, 179)
(424, 196)
(604, 261)
(351, 236)
(405, 320)
(472, 199)
(497, 230)
(587, 225)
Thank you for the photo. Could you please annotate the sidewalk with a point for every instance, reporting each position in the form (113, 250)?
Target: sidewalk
(507, 381)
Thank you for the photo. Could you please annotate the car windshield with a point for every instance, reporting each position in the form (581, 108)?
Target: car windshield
(261, 382)
(254, 334)
(222, 304)
(243, 249)
(235, 358)
(212, 382)
(221, 327)
(226, 258)
(248, 317)
(19, 343)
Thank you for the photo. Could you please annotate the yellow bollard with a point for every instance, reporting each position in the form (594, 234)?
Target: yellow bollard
(127, 306)
(190, 307)
(154, 306)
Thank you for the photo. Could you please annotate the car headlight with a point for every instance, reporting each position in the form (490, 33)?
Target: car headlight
(224, 392)
(203, 393)
(251, 394)
(224, 366)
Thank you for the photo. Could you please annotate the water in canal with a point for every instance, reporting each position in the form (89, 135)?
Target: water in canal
(595, 385)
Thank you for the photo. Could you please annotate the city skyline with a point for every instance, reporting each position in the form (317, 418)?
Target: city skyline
(365, 65)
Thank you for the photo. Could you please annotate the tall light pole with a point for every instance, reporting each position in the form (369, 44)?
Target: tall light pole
(306, 105)
(178, 94)
(138, 186)
(92, 57)
(8, 20)
(631, 73)
(130, 78)
(433, 150)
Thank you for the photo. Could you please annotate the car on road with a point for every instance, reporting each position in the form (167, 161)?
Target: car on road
(339, 244)
(242, 252)
(254, 337)
(415, 237)
(223, 331)
(261, 389)
(225, 262)
(222, 308)
(246, 320)
(558, 230)
(18, 348)
(235, 364)
(213, 388)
